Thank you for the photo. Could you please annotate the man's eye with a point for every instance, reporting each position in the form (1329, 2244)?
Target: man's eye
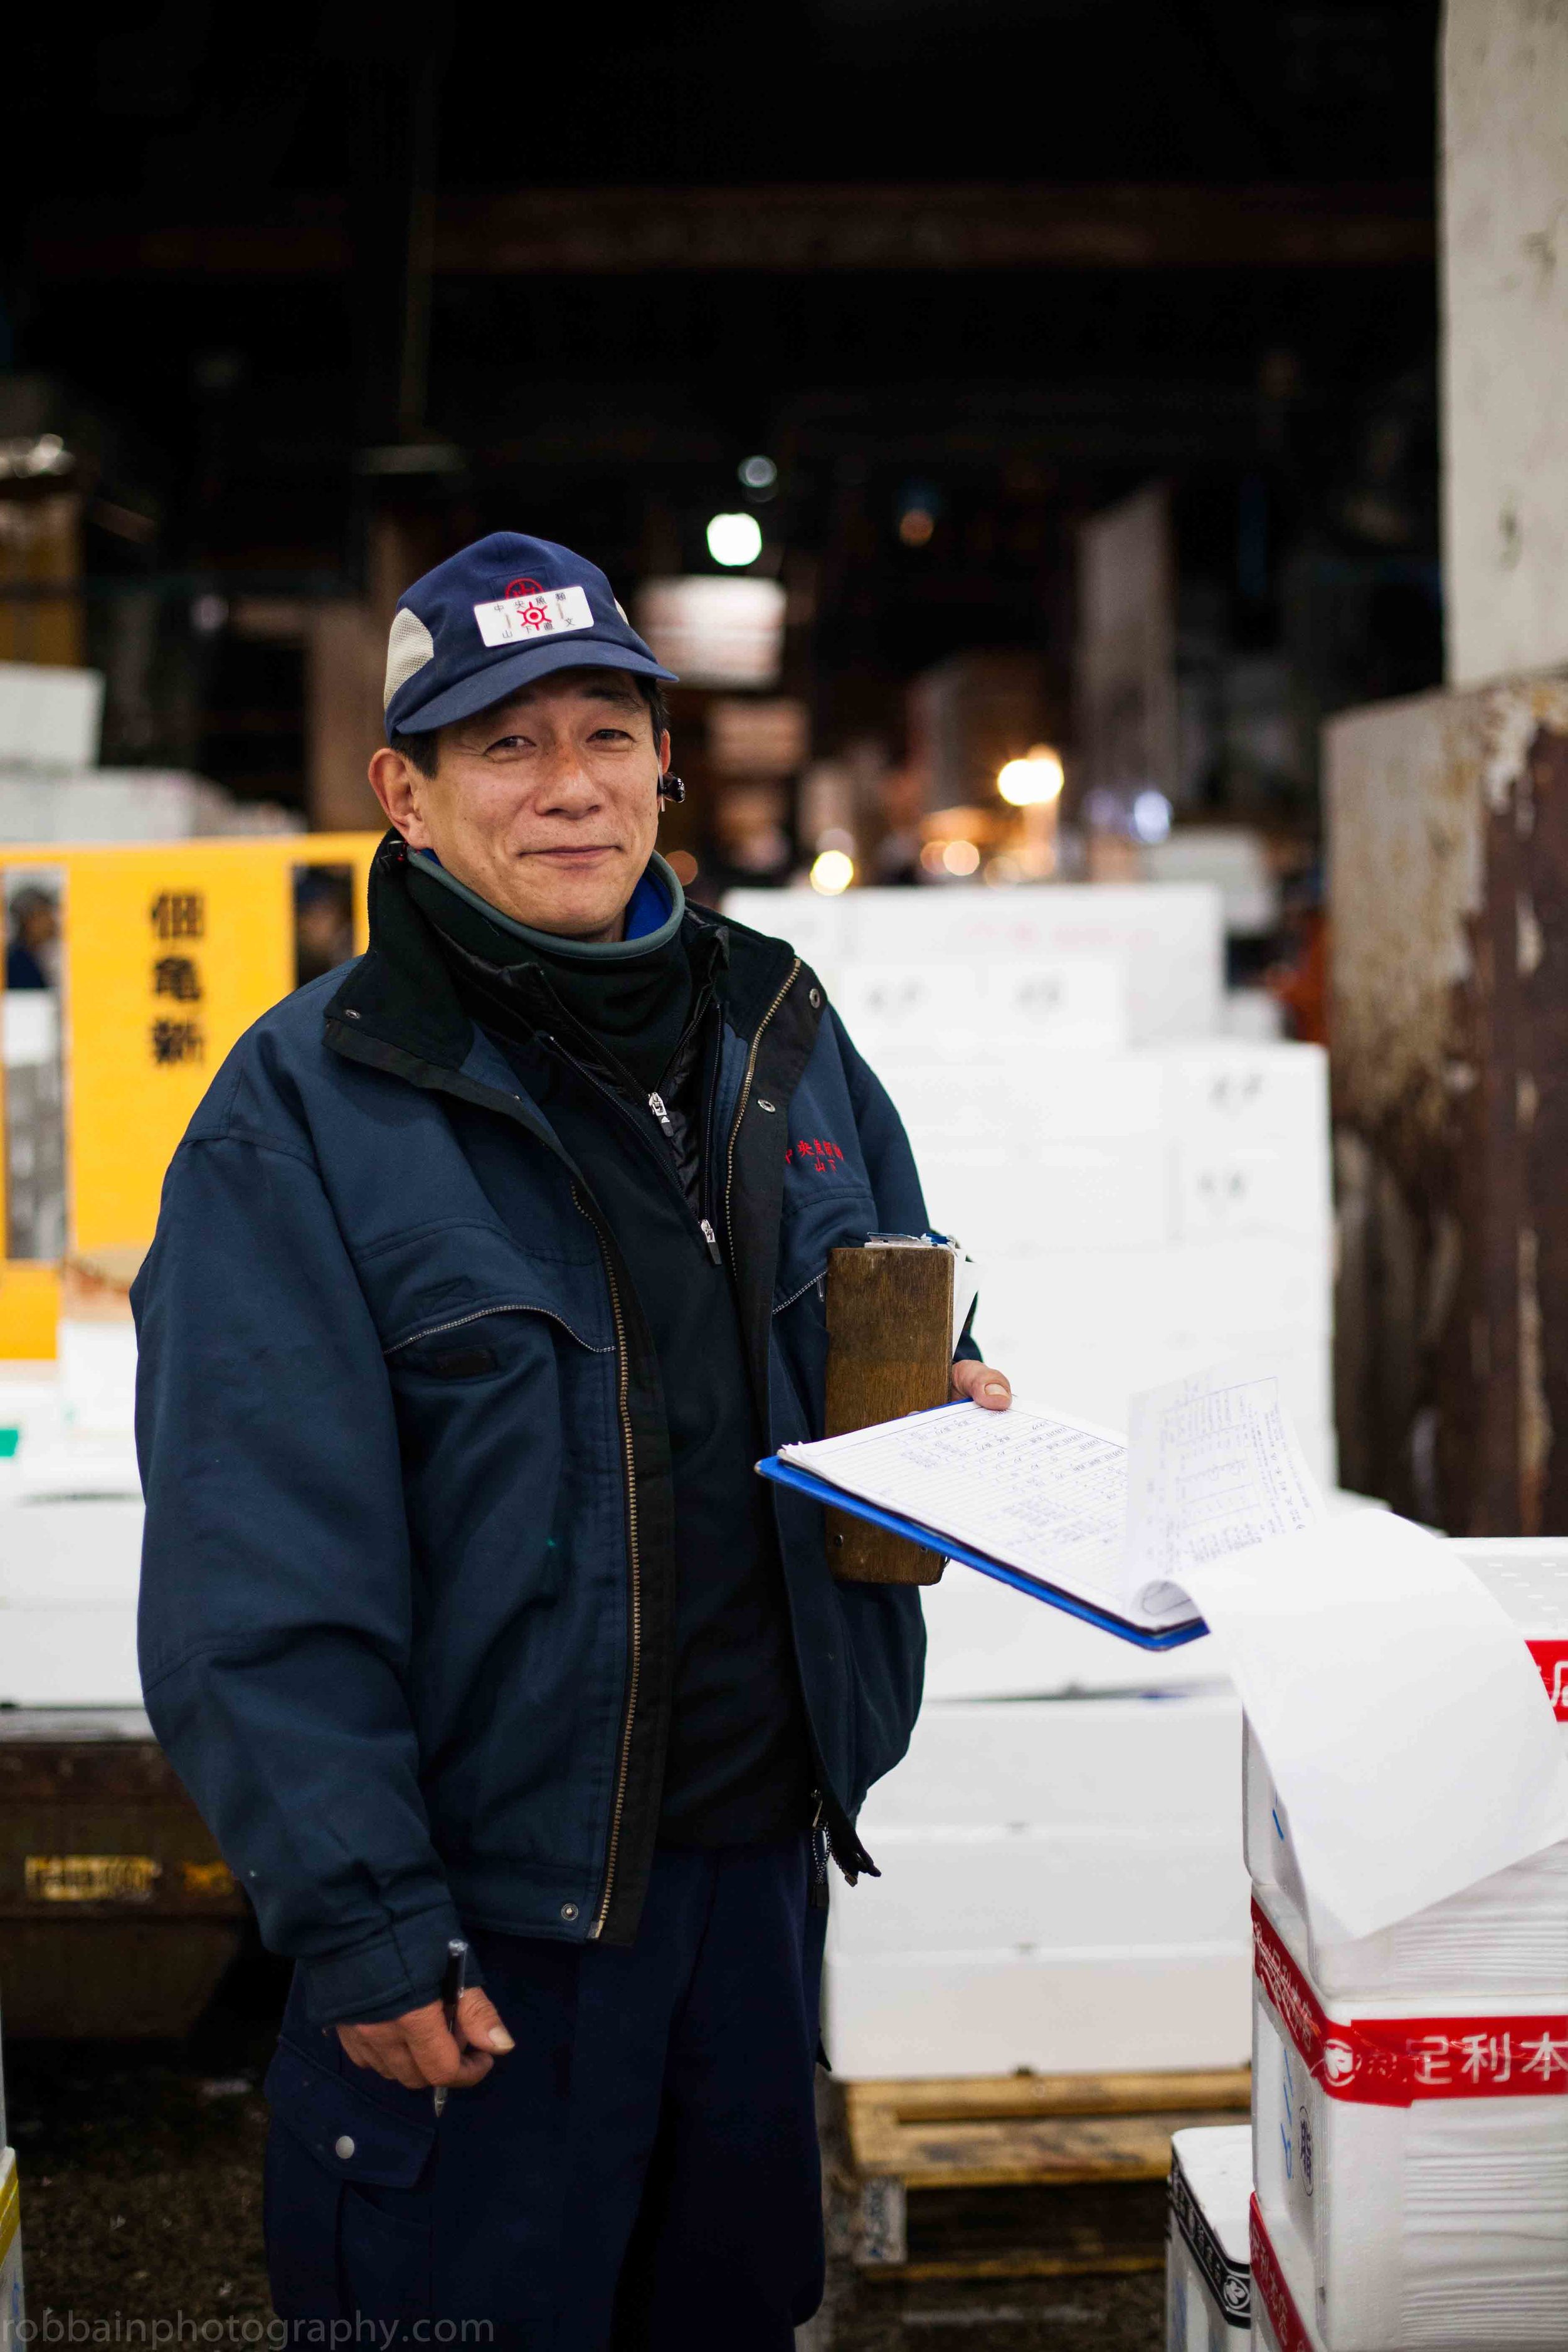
(611, 735)
(508, 743)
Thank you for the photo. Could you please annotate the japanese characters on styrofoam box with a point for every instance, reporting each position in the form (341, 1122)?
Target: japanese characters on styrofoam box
(1281, 2293)
(1505, 1935)
(1209, 2292)
(1414, 2156)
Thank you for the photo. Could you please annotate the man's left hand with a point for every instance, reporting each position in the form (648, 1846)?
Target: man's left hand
(983, 1385)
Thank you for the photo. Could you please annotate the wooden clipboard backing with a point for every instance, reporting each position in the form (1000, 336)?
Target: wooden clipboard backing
(890, 1351)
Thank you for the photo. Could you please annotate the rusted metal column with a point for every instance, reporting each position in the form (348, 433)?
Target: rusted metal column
(1448, 844)
(1449, 887)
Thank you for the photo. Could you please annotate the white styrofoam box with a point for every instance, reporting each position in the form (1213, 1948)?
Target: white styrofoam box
(1436, 2219)
(49, 717)
(991, 2013)
(1167, 938)
(29, 1028)
(1281, 2290)
(1050, 1890)
(70, 1555)
(1235, 858)
(98, 1376)
(1208, 2282)
(1215, 1288)
(69, 1656)
(1508, 1934)
(1254, 1015)
(1230, 1092)
(985, 1640)
(114, 805)
(12, 2308)
(1106, 1193)
(29, 1398)
(990, 1012)
(1231, 1190)
(1160, 1767)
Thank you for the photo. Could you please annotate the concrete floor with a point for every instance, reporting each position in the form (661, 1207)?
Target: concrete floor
(140, 2170)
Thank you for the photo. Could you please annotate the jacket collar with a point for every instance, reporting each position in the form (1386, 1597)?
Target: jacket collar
(401, 992)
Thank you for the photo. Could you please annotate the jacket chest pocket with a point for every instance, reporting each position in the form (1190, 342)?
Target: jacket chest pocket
(441, 1295)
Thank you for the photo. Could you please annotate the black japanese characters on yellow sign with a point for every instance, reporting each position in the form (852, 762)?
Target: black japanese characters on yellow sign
(177, 915)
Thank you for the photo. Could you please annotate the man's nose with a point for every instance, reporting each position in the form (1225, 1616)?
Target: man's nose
(568, 783)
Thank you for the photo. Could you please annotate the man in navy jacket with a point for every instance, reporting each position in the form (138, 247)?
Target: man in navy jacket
(484, 1274)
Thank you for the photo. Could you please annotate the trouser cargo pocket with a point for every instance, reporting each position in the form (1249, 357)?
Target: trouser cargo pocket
(347, 2194)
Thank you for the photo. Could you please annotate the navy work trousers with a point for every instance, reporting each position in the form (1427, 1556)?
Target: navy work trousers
(641, 2171)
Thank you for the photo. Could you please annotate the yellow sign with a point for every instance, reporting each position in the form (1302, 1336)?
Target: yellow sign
(206, 1878)
(170, 949)
(10, 2206)
(89, 1877)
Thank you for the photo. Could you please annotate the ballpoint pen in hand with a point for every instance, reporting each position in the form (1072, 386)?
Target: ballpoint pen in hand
(452, 1985)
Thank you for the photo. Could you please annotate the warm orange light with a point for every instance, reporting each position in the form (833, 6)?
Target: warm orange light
(1033, 781)
(832, 872)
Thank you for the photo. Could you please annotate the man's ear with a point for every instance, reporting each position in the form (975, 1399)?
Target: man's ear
(396, 785)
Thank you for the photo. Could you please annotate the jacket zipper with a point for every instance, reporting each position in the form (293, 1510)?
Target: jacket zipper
(657, 1105)
(740, 1107)
(634, 1668)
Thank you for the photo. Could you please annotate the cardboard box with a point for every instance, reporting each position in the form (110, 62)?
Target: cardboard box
(1209, 2275)
(989, 2013)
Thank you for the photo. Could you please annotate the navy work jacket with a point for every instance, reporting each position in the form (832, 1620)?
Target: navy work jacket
(408, 1582)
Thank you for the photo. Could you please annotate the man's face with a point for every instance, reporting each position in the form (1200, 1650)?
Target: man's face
(547, 804)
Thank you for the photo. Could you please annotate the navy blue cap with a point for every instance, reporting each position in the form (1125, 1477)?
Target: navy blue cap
(492, 619)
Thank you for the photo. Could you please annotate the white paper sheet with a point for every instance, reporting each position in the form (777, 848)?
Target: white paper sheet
(1043, 1493)
(1214, 1467)
(1402, 1716)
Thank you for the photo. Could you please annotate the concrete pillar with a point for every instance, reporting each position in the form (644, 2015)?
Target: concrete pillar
(1505, 335)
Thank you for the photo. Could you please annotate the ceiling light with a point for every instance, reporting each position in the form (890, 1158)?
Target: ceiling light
(960, 857)
(734, 538)
(758, 473)
(832, 872)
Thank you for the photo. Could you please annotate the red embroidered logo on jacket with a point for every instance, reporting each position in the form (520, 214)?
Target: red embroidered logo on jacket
(815, 1152)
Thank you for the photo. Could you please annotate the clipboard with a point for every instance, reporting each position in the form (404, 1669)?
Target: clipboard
(1172, 1637)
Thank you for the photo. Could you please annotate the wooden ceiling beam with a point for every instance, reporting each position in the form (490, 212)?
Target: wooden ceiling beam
(594, 232)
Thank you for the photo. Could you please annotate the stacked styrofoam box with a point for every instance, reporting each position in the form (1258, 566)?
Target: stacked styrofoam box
(1139, 1210)
(1208, 2289)
(1061, 1888)
(1165, 940)
(71, 1543)
(1410, 2089)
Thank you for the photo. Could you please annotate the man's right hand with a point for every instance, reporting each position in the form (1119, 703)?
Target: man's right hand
(417, 2051)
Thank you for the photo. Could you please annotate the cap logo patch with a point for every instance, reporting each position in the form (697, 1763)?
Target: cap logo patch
(524, 588)
(518, 619)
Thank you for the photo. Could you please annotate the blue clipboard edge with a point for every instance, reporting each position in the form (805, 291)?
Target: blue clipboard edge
(821, 1491)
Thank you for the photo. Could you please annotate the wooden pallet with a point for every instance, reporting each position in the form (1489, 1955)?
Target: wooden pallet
(1022, 2176)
